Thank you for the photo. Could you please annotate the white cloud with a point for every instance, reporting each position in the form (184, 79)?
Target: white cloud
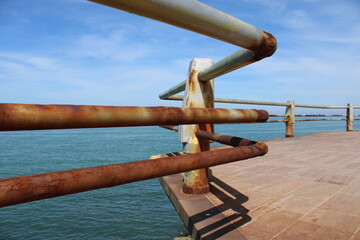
(343, 11)
(36, 61)
(39, 79)
(296, 19)
(112, 46)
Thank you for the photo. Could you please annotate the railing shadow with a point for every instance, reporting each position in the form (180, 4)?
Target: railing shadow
(232, 199)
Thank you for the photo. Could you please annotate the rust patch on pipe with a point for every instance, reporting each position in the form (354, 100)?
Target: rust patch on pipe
(196, 186)
(289, 129)
(196, 181)
(28, 188)
(198, 95)
(267, 46)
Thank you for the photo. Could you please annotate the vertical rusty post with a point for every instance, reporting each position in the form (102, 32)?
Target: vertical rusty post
(200, 95)
(349, 117)
(290, 118)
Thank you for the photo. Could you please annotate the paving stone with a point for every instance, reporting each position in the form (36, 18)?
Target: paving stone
(306, 187)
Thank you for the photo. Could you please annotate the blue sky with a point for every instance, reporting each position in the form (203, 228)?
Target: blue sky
(79, 52)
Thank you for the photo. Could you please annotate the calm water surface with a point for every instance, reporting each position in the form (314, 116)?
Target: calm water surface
(133, 211)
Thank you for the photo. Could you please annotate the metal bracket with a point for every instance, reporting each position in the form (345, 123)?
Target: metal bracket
(197, 94)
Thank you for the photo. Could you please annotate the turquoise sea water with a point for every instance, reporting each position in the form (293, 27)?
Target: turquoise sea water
(134, 211)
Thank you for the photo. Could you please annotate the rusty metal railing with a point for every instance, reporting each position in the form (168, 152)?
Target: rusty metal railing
(289, 118)
(195, 118)
(29, 188)
(15, 117)
(22, 189)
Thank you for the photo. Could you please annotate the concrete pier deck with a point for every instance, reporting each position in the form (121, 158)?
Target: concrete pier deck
(306, 187)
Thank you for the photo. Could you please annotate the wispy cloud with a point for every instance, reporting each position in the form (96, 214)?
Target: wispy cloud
(41, 79)
(112, 46)
(294, 19)
(36, 61)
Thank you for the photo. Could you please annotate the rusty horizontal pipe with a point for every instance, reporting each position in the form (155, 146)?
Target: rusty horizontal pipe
(273, 121)
(320, 115)
(323, 107)
(170, 127)
(240, 101)
(236, 101)
(323, 119)
(225, 139)
(29, 188)
(36, 117)
(277, 115)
